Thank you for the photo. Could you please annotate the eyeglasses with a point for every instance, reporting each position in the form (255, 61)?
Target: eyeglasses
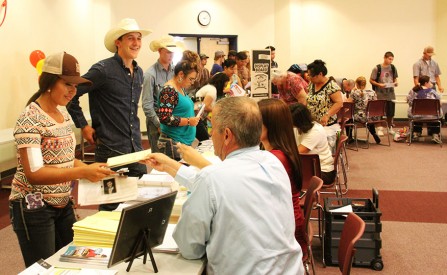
(191, 79)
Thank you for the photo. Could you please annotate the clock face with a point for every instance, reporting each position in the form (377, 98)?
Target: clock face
(204, 18)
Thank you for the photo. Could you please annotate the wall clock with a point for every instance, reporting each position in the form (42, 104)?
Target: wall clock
(204, 18)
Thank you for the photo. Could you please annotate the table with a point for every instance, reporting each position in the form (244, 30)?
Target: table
(166, 263)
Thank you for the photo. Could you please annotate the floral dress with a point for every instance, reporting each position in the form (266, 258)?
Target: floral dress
(319, 102)
(361, 98)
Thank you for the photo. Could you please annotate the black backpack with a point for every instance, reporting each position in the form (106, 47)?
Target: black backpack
(379, 71)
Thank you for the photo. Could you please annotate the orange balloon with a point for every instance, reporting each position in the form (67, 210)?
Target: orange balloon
(35, 56)
(39, 66)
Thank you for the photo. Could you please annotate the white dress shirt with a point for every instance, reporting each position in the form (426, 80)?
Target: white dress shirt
(241, 215)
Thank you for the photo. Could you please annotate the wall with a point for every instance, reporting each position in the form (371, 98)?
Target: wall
(79, 26)
(350, 35)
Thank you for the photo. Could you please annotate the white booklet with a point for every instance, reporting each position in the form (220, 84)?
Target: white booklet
(108, 190)
(127, 158)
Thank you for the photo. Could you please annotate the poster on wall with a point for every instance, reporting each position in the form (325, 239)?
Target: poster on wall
(260, 74)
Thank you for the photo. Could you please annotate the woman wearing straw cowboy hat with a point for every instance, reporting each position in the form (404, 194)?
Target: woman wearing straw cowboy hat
(154, 79)
(113, 98)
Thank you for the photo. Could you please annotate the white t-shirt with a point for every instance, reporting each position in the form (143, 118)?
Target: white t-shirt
(316, 141)
(208, 90)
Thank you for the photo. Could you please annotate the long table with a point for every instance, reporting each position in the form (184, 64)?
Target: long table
(169, 264)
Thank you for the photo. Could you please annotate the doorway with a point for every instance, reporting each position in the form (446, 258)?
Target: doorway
(208, 44)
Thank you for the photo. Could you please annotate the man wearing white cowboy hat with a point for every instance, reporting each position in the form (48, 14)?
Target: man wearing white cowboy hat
(113, 98)
(154, 79)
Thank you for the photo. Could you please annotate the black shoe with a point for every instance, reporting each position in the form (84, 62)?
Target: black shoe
(350, 141)
(376, 138)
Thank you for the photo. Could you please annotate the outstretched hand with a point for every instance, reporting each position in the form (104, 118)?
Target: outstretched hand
(162, 163)
(192, 156)
(97, 171)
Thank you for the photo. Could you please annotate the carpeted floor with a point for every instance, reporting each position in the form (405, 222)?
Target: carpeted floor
(412, 197)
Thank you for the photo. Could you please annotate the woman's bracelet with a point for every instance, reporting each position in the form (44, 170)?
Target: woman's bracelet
(188, 121)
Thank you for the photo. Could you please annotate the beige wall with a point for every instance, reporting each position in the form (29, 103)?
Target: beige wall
(350, 35)
(79, 26)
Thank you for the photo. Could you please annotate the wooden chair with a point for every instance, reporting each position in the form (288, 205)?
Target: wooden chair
(352, 231)
(425, 107)
(375, 110)
(310, 203)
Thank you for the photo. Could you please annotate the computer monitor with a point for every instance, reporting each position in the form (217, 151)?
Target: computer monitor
(141, 227)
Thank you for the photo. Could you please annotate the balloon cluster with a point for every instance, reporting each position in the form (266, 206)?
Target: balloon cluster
(37, 58)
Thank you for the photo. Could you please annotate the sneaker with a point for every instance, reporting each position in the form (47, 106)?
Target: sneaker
(415, 136)
(436, 138)
(391, 131)
(380, 131)
(376, 138)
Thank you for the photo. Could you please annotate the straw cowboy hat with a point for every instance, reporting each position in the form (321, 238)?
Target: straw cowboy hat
(126, 25)
(166, 42)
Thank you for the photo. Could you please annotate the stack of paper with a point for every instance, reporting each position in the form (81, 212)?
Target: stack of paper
(155, 184)
(169, 245)
(156, 178)
(97, 230)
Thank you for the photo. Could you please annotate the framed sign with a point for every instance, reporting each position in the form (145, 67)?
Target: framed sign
(260, 74)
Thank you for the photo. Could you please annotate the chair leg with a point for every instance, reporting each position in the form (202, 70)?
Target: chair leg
(355, 139)
(440, 132)
(322, 231)
(312, 261)
(388, 134)
(367, 135)
(346, 157)
(355, 136)
(411, 133)
(345, 181)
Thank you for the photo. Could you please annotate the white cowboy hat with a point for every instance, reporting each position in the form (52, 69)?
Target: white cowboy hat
(166, 42)
(126, 25)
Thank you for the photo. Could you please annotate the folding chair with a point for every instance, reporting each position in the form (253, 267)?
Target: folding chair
(340, 169)
(310, 168)
(425, 107)
(348, 115)
(310, 203)
(84, 154)
(352, 231)
(375, 110)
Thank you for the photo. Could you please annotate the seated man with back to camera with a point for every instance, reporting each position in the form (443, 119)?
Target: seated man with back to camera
(243, 222)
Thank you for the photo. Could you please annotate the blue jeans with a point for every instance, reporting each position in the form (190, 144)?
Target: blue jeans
(168, 147)
(43, 231)
(153, 135)
(102, 153)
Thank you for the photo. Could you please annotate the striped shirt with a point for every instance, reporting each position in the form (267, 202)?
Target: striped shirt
(34, 128)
